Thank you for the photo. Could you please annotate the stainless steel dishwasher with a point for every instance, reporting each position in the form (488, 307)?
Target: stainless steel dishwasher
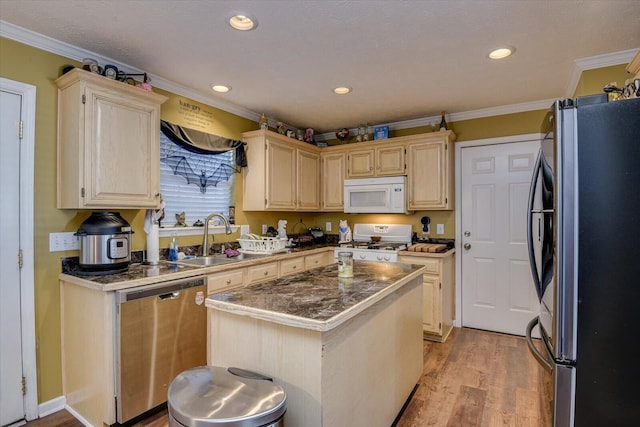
(161, 330)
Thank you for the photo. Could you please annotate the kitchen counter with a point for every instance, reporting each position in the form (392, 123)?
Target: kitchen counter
(444, 254)
(317, 299)
(140, 274)
(346, 352)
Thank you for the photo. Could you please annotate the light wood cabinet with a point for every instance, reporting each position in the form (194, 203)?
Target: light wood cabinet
(318, 260)
(223, 281)
(282, 174)
(261, 273)
(333, 173)
(108, 143)
(376, 161)
(438, 289)
(430, 172)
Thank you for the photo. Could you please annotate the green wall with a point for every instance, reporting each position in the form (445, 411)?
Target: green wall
(40, 68)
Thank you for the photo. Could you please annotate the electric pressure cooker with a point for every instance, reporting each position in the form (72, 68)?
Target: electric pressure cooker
(104, 243)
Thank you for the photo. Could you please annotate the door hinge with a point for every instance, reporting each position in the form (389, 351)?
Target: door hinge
(20, 130)
(439, 326)
(82, 192)
(24, 386)
(446, 200)
(440, 285)
(20, 260)
(84, 99)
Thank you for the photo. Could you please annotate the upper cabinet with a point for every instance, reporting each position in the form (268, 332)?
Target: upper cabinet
(333, 172)
(430, 171)
(282, 174)
(108, 143)
(376, 161)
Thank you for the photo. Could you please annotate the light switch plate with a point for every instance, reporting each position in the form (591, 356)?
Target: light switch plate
(327, 226)
(244, 229)
(63, 242)
(440, 228)
(264, 229)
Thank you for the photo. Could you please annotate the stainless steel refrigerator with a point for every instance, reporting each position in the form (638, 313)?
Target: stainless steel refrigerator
(584, 240)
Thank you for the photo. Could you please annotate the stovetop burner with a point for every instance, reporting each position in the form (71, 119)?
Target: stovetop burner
(384, 246)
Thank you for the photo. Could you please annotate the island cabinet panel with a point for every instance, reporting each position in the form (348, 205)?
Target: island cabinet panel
(108, 143)
(357, 374)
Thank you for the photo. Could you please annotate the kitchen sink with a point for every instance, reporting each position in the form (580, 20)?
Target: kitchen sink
(207, 261)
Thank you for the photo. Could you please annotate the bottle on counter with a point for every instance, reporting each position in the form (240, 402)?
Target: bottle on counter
(345, 264)
(173, 248)
(443, 122)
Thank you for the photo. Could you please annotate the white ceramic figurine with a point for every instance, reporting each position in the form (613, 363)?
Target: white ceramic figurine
(282, 229)
(345, 231)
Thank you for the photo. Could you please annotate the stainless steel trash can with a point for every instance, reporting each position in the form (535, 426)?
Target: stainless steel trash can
(215, 396)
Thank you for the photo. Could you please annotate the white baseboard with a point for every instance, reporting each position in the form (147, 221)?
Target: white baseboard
(51, 406)
(78, 417)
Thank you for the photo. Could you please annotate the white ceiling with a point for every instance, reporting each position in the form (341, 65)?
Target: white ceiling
(405, 60)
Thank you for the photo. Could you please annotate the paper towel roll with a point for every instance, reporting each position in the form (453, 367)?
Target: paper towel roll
(153, 245)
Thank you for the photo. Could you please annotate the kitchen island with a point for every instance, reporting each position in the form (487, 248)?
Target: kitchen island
(348, 352)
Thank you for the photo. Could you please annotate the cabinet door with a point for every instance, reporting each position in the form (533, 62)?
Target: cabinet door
(361, 163)
(318, 260)
(333, 170)
(427, 175)
(291, 266)
(261, 273)
(308, 180)
(390, 161)
(431, 320)
(122, 150)
(281, 176)
(224, 281)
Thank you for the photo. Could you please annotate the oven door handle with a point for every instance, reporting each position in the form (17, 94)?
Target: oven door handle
(546, 363)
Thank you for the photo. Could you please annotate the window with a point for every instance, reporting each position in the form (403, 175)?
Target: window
(212, 182)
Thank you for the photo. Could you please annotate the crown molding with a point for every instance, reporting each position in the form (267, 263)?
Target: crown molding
(594, 62)
(49, 44)
(40, 41)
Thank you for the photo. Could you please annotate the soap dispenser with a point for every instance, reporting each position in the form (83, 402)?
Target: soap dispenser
(173, 248)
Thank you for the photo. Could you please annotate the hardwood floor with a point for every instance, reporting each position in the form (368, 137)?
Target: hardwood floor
(475, 378)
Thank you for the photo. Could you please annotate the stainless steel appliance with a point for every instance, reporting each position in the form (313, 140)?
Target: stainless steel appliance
(584, 225)
(376, 195)
(366, 246)
(161, 330)
(104, 243)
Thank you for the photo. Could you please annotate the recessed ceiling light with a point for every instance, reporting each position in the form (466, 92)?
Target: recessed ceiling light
(242, 21)
(221, 88)
(342, 90)
(501, 53)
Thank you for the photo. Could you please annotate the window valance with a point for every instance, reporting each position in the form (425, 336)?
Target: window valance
(204, 143)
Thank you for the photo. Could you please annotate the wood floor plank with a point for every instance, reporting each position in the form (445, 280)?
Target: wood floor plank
(474, 379)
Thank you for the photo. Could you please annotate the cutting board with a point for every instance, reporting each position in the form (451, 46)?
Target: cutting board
(427, 247)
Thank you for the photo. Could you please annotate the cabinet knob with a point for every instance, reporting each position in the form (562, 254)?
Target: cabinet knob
(266, 272)
(228, 281)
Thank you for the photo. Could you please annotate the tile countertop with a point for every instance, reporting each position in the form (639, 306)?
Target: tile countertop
(317, 299)
(140, 274)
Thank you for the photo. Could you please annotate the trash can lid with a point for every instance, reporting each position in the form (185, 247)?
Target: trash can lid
(211, 395)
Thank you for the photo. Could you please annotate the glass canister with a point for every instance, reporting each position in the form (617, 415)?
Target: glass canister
(345, 264)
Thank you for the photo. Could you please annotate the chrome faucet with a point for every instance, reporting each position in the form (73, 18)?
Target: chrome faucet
(205, 240)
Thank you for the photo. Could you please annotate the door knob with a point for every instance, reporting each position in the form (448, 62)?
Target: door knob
(467, 246)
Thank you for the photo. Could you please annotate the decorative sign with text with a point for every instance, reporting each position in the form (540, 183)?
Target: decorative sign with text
(194, 116)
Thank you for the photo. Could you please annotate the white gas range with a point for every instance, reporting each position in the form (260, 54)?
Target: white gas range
(393, 238)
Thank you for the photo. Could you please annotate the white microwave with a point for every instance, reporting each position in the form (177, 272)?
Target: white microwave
(376, 195)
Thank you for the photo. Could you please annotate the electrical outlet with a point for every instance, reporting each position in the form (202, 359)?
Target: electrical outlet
(63, 242)
(264, 229)
(440, 228)
(428, 227)
(327, 226)
(244, 229)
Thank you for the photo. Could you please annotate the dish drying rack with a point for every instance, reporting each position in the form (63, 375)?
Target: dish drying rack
(255, 245)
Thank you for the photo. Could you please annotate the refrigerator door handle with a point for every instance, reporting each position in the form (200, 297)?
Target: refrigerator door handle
(531, 211)
(547, 364)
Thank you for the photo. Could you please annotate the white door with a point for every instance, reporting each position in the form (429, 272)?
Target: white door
(11, 399)
(497, 288)
(18, 384)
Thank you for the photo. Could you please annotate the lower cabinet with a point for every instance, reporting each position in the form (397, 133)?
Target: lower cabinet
(438, 292)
